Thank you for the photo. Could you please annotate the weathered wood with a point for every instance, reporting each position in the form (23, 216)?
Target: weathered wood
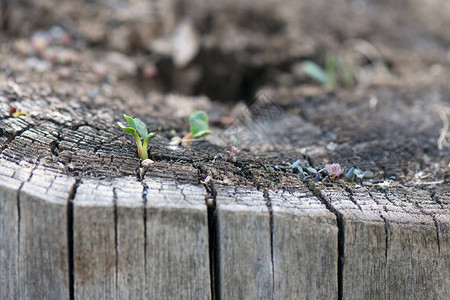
(244, 244)
(382, 238)
(305, 246)
(43, 248)
(94, 241)
(34, 237)
(80, 218)
(130, 239)
(9, 232)
(177, 253)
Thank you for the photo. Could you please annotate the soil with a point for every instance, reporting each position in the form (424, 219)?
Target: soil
(78, 83)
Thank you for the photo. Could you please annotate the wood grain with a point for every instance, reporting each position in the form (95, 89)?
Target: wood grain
(245, 256)
(43, 247)
(9, 231)
(177, 257)
(130, 247)
(94, 241)
(71, 201)
(389, 245)
(305, 246)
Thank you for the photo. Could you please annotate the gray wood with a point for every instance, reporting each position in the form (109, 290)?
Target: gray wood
(94, 241)
(414, 242)
(364, 246)
(383, 238)
(130, 239)
(177, 256)
(9, 231)
(305, 243)
(149, 239)
(244, 244)
(43, 240)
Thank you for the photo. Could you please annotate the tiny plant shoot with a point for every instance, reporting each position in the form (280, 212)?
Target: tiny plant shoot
(336, 71)
(232, 154)
(137, 126)
(198, 126)
(15, 112)
(334, 170)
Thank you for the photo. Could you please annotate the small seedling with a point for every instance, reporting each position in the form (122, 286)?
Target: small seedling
(296, 166)
(329, 172)
(137, 126)
(15, 112)
(334, 170)
(198, 126)
(355, 175)
(232, 154)
(336, 70)
(306, 171)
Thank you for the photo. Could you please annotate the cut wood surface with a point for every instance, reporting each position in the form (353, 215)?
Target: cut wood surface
(106, 228)
(80, 218)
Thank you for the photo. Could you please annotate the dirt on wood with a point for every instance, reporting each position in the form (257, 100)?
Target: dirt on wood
(77, 71)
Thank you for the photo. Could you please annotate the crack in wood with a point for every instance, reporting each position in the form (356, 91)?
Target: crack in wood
(11, 137)
(70, 243)
(386, 226)
(116, 241)
(436, 225)
(18, 228)
(270, 209)
(350, 195)
(419, 207)
(213, 230)
(386, 232)
(341, 235)
(144, 200)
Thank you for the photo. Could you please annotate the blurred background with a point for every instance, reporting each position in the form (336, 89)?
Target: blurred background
(226, 50)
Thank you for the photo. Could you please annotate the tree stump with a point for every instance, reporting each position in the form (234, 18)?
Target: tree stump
(80, 218)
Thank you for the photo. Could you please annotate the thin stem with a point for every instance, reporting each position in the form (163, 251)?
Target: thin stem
(145, 148)
(187, 138)
(142, 152)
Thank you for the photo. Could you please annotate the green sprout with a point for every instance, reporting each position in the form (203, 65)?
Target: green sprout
(137, 126)
(198, 126)
(335, 70)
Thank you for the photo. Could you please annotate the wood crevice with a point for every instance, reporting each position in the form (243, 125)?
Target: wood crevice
(70, 239)
(386, 226)
(116, 241)
(18, 228)
(270, 210)
(144, 200)
(350, 196)
(341, 235)
(213, 228)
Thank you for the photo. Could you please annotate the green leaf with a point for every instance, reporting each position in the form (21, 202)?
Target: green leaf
(311, 170)
(199, 124)
(350, 173)
(316, 72)
(151, 135)
(295, 164)
(359, 173)
(368, 174)
(130, 121)
(130, 130)
(141, 128)
(202, 133)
